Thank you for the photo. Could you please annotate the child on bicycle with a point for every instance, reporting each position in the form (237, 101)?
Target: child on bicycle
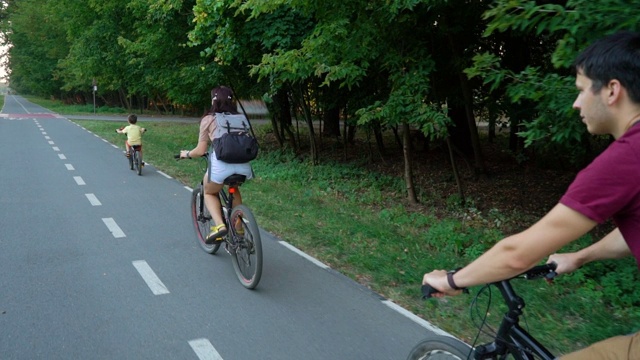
(134, 135)
(221, 101)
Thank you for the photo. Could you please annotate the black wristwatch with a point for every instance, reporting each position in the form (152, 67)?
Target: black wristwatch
(452, 284)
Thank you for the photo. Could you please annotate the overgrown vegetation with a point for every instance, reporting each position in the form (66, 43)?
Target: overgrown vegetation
(356, 221)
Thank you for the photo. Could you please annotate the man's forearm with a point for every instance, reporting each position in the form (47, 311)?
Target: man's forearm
(611, 246)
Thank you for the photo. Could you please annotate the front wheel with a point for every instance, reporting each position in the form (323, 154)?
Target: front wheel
(202, 221)
(246, 253)
(441, 347)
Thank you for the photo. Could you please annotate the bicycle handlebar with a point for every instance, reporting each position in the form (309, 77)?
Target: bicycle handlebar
(546, 271)
(177, 156)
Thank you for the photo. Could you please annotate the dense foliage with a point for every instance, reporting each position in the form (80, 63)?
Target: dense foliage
(435, 65)
(427, 69)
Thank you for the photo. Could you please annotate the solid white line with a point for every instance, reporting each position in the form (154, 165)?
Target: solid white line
(105, 140)
(114, 228)
(204, 350)
(55, 148)
(188, 188)
(115, 146)
(62, 157)
(422, 322)
(96, 136)
(153, 282)
(69, 166)
(304, 255)
(79, 180)
(93, 199)
(163, 174)
(51, 143)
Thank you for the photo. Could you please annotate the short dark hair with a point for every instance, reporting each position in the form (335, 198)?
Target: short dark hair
(616, 56)
(132, 119)
(222, 100)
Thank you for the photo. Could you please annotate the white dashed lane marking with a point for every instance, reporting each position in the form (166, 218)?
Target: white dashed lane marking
(62, 157)
(153, 282)
(79, 180)
(93, 199)
(69, 167)
(55, 148)
(204, 350)
(114, 228)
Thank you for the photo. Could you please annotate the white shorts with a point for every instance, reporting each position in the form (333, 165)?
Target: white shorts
(221, 170)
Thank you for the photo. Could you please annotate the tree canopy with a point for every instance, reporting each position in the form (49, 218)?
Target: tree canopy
(435, 66)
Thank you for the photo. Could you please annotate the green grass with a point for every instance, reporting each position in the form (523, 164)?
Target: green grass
(343, 216)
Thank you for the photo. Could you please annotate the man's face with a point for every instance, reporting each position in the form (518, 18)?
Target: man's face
(592, 107)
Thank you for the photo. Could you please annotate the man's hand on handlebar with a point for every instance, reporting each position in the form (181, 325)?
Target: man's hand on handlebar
(566, 262)
(437, 279)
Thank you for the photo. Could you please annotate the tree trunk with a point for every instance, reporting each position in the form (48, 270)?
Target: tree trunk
(456, 175)
(123, 99)
(408, 167)
(309, 120)
(377, 131)
(331, 119)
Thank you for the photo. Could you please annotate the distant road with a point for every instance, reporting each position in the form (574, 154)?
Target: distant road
(123, 118)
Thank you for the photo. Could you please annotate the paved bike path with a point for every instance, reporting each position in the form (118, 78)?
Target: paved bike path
(80, 287)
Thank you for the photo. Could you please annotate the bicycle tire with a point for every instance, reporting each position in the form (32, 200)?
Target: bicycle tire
(130, 158)
(138, 162)
(246, 254)
(441, 347)
(202, 221)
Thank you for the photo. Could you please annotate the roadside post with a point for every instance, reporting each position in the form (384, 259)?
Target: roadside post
(95, 88)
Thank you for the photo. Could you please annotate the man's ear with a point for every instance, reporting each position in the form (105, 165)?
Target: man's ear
(614, 91)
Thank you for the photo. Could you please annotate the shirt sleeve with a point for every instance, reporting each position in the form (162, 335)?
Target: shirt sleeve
(206, 130)
(606, 186)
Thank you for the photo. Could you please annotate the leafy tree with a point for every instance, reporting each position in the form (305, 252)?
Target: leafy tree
(36, 45)
(548, 85)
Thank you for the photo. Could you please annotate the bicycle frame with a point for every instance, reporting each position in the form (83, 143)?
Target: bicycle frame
(511, 338)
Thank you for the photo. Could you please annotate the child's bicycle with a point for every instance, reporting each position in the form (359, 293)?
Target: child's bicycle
(135, 160)
(242, 241)
(509, 342)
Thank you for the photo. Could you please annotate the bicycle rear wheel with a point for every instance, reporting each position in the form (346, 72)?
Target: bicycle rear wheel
(130, 158)
(246, 251)
(138, 161)
(202, 221)
(441, 347)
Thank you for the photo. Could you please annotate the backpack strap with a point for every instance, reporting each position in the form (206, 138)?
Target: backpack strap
(245, 115)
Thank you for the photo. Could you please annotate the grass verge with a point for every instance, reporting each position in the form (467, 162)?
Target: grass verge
(352, 220)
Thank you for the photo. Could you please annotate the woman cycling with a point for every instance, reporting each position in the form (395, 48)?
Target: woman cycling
(221, 101)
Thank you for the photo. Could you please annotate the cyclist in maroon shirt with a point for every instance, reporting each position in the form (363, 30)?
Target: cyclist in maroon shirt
(608, 81)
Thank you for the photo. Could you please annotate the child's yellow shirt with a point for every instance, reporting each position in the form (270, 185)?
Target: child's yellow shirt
(134, 134)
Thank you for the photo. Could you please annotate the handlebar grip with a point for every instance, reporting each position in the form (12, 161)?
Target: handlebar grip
(427, 291)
